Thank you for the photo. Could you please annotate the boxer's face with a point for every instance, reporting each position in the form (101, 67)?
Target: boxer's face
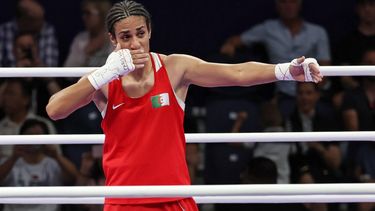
(132, 33)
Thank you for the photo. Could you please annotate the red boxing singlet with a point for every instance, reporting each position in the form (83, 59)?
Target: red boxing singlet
(144, 137)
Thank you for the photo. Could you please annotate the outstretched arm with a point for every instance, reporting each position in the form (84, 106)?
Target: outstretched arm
(201, 73)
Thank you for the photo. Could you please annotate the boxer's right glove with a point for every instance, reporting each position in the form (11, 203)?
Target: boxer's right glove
(119, 63)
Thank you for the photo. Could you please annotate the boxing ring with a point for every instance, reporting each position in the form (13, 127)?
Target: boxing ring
(275, 193)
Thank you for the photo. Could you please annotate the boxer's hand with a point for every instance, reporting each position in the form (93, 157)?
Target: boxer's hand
(300, 69)
(139, 58)
(118, 63)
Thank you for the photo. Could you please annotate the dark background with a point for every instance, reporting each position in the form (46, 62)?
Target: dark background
(197, 27)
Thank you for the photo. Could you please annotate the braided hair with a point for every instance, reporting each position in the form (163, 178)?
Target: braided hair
(124, 9)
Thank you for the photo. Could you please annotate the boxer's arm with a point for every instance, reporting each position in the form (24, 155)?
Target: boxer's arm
(66, 101)
(202, 73)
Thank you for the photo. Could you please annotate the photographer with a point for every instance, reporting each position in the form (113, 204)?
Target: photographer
(26, 51)
(29, 18)
(35, 165)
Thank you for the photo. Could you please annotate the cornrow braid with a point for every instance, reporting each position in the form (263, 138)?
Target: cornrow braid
(124, 9)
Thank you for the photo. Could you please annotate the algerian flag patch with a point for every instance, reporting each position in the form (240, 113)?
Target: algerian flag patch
(158, 101)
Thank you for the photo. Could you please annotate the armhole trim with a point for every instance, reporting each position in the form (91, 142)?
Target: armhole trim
(158, 64)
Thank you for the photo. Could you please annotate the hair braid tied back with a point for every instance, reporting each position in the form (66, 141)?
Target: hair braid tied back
(124, 9)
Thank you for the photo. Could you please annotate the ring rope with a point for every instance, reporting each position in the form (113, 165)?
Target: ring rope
(360, 70)
(344, 198)
(188, 190)
(203, 194)
(200, 137)
(249, 193)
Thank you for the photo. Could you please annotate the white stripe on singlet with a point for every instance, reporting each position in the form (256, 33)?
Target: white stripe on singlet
(156, 61)
(182, 208)
(158, 65)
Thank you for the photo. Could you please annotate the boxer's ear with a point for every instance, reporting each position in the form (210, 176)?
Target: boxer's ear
(113, 39)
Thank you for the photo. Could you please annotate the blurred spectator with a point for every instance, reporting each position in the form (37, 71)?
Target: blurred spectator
(16, 105)
(358, 108)
(29, 41)
(193, 160)
(35, 165)
(358, 115)
(194, 124)
(364, 169)
(323, 158)
(358, 104)
(91, 47)
(261, 170)
(91, 171)
(305, 176)
(368, 56)
(2, 88)
(91, 174)
(225, 162)
(277, 152)
(86, 120)
(285, 38)
(355, 44)
(29, 19)
(26, 53)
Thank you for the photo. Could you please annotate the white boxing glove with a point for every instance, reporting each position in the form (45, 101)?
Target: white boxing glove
(282, 71)
(118, 63)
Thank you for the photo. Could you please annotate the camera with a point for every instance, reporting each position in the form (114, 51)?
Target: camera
(28, 53)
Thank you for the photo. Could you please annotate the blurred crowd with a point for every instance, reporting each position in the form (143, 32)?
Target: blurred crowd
(336, 104)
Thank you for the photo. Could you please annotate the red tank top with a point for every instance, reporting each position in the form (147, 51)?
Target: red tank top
(144, 137)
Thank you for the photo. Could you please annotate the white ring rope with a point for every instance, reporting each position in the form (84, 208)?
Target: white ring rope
(79, 71)
(290, 193)
(209, 199)
(199, 137)
(44, 71)
(251, 193)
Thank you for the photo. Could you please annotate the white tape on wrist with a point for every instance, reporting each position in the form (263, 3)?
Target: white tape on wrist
(282, 72)
(98, 78)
